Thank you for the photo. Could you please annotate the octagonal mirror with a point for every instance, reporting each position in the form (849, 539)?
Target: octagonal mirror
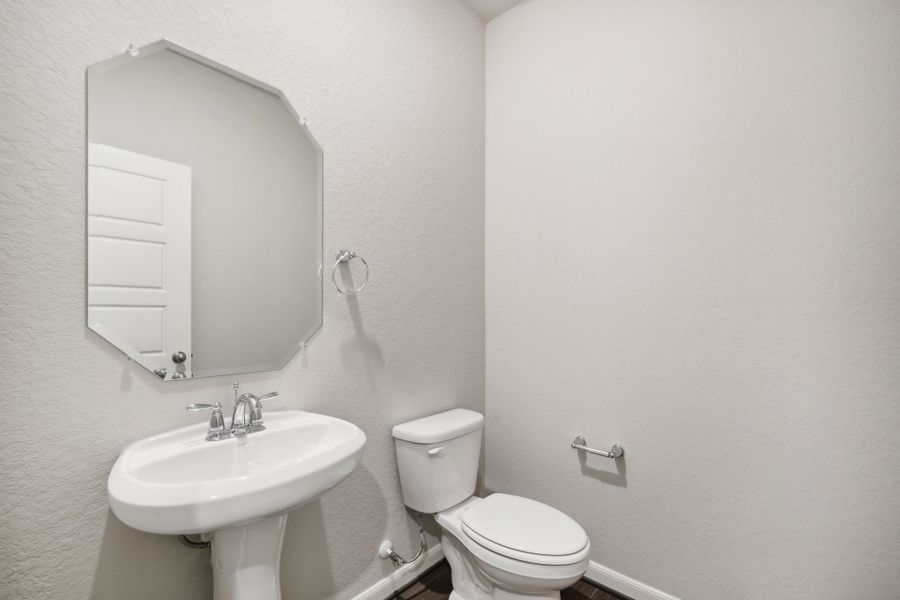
(204, 216)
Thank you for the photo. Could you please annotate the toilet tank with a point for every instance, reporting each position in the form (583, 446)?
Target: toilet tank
(438, 457)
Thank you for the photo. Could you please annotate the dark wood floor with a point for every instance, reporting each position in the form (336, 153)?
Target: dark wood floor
(435, 585)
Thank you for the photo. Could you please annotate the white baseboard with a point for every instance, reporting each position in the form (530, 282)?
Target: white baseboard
(624, 584)
(403, 576)
(596, 572)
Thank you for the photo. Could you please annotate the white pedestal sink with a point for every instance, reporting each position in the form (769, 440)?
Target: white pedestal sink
(239, 489)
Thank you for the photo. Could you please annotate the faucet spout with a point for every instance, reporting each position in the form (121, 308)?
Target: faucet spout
(254, 404)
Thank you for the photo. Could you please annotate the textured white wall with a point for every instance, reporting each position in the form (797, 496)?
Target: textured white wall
(693, 249)
(394, 93)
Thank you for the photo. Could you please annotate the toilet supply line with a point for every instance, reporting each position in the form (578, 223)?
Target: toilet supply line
(386, 550)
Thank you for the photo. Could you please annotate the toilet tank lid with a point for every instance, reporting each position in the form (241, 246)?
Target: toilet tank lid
(440, 427)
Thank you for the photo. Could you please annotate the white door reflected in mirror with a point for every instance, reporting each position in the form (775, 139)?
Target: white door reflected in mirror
(139, 244)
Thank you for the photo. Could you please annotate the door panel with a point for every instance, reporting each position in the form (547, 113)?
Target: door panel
(125, 263)
(124, 195)
(142, 326)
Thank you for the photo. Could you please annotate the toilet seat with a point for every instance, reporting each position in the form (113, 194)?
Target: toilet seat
(525, 530)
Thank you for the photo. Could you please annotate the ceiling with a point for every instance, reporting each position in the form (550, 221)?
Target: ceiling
(488, 9)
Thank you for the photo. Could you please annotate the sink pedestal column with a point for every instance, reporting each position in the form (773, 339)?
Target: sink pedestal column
(245, 560)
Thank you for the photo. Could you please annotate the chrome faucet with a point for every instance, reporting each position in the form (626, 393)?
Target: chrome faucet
(254, 403)
(218, 430)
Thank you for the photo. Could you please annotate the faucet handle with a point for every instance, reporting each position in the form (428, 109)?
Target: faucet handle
(266, 396)
(256, 414)
(216, 420)
(198, 407)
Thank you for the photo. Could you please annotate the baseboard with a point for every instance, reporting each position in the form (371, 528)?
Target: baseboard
(403, 576)
(623, 584)
(597, 573)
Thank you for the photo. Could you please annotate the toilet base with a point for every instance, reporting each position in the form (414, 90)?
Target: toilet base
(501, 595)
(470, 583)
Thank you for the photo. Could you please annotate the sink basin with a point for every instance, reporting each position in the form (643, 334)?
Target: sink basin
(177, 482)
(239, 490)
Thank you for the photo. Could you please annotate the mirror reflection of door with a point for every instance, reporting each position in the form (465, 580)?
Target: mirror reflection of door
(204, 215)
(139, 249)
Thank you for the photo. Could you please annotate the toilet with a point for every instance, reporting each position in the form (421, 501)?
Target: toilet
(501, 546)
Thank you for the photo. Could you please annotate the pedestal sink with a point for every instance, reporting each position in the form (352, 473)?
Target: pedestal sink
(239, 490)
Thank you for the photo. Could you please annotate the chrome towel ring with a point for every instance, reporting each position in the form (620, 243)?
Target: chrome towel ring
(345, 256)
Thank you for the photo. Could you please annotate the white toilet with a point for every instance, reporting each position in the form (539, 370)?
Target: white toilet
(500, 546)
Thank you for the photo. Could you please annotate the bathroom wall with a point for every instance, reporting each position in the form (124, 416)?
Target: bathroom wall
(692, 225)
(394, 92)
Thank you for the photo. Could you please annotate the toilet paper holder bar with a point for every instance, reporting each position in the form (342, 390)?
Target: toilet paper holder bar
(580, 444)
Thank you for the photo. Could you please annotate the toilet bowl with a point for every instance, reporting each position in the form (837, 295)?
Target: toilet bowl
(501, 547)
(491, 569)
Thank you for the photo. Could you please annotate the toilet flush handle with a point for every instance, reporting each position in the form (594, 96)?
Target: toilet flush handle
(435, 452)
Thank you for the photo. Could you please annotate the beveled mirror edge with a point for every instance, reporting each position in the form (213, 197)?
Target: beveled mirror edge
(167, 44)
